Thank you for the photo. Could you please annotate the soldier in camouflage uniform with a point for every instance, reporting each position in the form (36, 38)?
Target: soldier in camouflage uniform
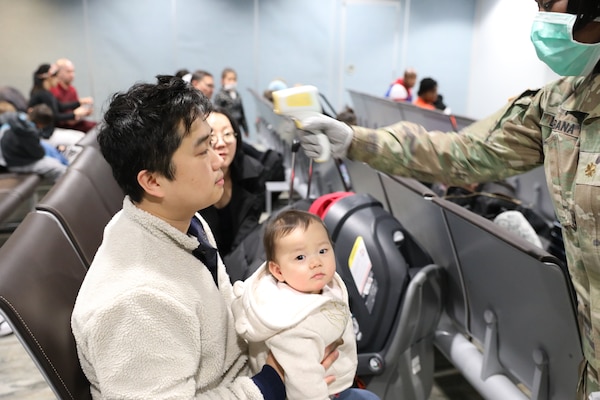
(557, 126)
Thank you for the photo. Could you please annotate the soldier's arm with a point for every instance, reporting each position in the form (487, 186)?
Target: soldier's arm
(508, 142)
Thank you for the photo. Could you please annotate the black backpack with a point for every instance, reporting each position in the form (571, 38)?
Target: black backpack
(272, 162)
(492, 198)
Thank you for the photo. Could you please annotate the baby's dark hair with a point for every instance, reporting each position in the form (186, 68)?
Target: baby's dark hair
(285, 222)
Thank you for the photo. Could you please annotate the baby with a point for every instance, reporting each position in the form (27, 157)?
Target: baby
(295, 305)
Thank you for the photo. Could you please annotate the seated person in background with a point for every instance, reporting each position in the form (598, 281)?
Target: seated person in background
(66, 93)
(295, 304)
(152, 319)
(203, 81)
(427, 95)
(20, 147)
(44, 78)
(401, 89)
(237, 212)
(230, 100)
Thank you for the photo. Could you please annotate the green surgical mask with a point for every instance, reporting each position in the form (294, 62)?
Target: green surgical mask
(552, 37)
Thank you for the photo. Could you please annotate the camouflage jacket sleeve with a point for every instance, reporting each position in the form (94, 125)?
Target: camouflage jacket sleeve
(507, 143)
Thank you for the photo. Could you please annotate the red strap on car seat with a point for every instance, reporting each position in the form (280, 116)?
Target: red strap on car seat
(322, 204)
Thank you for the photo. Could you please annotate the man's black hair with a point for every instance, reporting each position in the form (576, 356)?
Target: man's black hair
(199, 74)
(426, 85)
(145, 125)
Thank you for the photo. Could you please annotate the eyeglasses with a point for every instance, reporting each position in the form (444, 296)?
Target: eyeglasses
(227, 138)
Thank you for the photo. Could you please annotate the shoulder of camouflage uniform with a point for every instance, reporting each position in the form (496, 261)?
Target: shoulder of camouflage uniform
(557, 92)
(562, 85)
(526, 93)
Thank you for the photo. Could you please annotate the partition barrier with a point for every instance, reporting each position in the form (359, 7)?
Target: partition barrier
(375, 112)
(510, 323)
(412, 204)
(521, 305)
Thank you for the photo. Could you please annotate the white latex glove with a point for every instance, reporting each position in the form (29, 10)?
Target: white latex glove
(339, 135)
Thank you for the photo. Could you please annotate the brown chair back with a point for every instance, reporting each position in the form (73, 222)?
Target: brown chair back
(77, 203)
(84, 200)
(40, 276)
(92, 164)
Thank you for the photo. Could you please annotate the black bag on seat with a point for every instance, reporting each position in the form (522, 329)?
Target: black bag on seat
(374, 258)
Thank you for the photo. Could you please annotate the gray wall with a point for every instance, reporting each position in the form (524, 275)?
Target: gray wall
(333, 44)
(503, 65)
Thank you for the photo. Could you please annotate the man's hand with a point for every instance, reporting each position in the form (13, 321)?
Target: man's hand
(339, 135)
(331, 354)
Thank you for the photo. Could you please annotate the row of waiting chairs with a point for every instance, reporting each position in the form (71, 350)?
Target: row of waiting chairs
(44, 262)
(15, 190)
(510, 323)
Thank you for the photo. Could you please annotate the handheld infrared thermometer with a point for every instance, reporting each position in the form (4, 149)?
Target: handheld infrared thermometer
(298, 103)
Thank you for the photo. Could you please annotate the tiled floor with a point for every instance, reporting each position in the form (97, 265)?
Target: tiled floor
(19, 377)
(449, 384)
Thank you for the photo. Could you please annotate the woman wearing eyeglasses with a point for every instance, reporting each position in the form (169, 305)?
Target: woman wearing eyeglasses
(238, 211)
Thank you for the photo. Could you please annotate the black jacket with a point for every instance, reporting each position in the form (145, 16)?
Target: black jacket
(20, 143)
(234, 222)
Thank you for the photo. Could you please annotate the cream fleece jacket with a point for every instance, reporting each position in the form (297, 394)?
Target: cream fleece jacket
(296, 327)
(150, 323)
